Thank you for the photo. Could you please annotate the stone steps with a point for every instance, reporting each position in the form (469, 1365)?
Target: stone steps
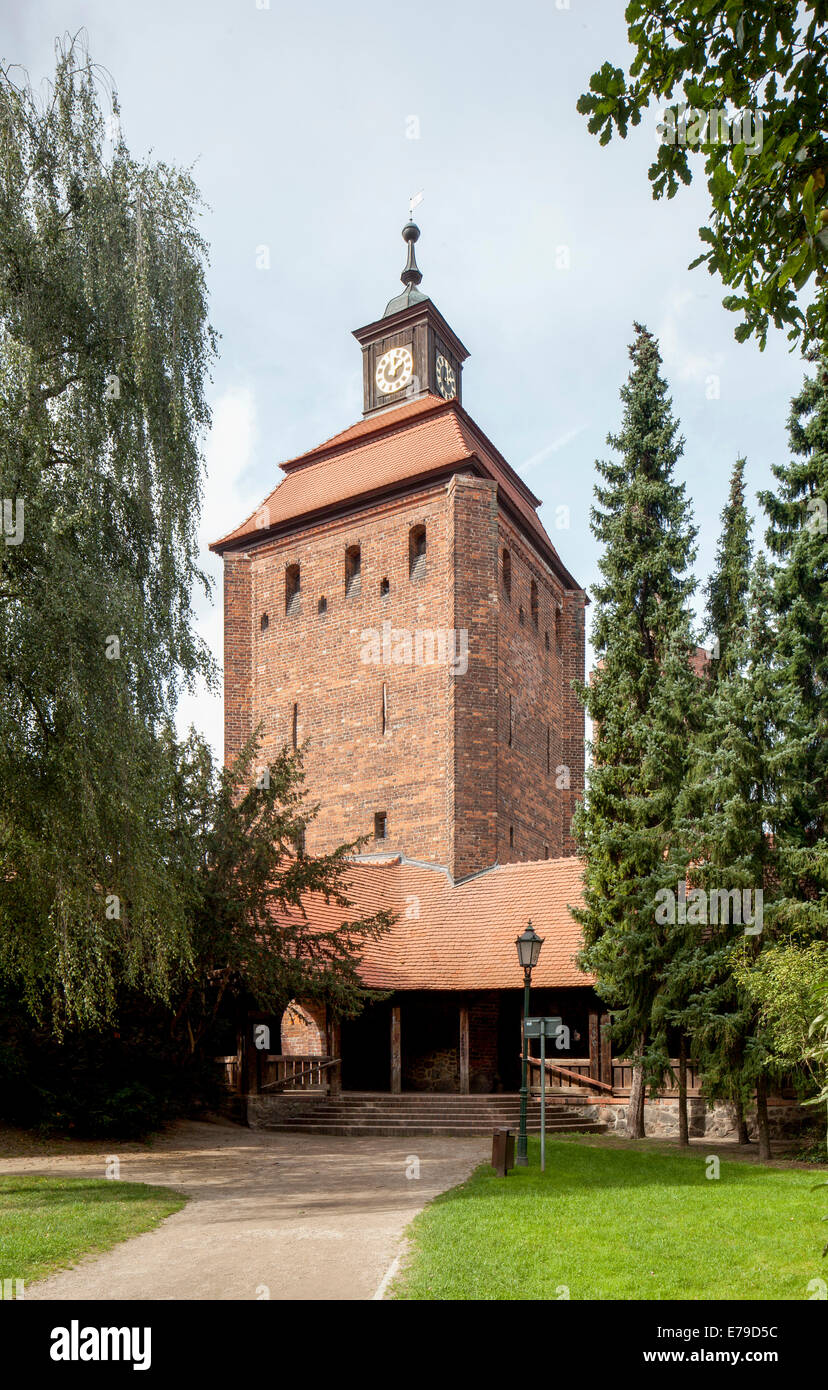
(411, 1129)
(411, 1115)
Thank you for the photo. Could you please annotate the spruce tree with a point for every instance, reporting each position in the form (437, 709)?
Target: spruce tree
(724, 810)
(798, 539)
(638, 699)
(726, 626)
(727, 588)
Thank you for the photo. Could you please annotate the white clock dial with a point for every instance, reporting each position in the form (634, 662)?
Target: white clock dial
(446, 380)
(394, 370)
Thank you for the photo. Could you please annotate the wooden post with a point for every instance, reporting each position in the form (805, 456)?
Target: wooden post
(396, 1051)
(333, 1031)
(464, 1051)
(594, 1047)
(683, 1127)
(606, 1049)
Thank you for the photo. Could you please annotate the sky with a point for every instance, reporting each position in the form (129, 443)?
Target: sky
(308, 128)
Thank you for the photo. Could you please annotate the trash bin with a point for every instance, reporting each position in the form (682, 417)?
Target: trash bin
(503, 1151)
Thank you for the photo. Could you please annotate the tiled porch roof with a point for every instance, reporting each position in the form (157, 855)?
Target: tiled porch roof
(452, 936)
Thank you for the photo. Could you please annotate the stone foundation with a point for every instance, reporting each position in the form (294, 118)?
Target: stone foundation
(713, 1120)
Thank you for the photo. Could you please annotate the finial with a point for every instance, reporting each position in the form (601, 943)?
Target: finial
(412, 275)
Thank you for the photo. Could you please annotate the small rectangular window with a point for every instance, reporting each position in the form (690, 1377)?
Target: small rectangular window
(294, 731)
(292, 590)
(507, 574)
(353, 570)
(380, 825)
(417, 552)
(384, 708)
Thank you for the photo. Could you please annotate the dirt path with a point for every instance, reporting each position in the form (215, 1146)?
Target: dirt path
(270, 1215)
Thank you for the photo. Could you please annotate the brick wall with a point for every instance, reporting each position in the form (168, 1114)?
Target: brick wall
(473, 807)
(540, 723)
(303, 1030)
(315, 661)
(238, 654)
(443, 771)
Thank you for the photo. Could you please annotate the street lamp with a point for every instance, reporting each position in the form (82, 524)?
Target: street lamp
(528, 949)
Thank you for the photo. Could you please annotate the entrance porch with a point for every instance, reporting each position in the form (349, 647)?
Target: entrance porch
(465, 1043)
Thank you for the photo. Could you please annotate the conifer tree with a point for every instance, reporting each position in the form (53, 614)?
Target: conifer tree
(726, 626)
(727, 588)
(725, 809)
(798, 539)
(638, 699)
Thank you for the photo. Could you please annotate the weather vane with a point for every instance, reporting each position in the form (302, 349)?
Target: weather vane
(414, 202)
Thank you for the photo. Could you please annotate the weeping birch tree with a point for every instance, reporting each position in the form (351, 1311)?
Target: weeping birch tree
(105, 349)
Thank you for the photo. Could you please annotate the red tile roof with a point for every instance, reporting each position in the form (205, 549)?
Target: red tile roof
(415, 440)
(452, 936)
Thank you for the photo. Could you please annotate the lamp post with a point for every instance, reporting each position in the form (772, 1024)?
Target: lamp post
(528, 949)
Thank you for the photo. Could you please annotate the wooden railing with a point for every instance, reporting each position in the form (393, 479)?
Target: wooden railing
(575, 1074)
(230, 1071)
(296, 1073)
(277, 1072)
(569, 1077)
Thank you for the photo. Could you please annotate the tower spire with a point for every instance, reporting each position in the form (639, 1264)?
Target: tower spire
(412, 275)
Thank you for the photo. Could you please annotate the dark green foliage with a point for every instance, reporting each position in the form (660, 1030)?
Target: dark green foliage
(797, 538)
(122, 1083)
(767, 237)
(250, 885)
(104, 350)
(724, 810)
(641, 699)
(727, 588)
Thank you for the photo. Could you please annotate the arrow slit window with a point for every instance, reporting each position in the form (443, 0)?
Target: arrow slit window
(417, 552)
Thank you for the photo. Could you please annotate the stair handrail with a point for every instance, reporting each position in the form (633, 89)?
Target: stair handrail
(580, 1077)
(321, 1065)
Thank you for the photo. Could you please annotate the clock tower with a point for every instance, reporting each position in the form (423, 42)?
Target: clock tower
(411, 351)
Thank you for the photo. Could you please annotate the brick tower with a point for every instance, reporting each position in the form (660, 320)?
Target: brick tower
(396, 605)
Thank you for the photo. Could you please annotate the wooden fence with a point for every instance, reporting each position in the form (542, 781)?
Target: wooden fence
(579, 1067)
(278, 1072)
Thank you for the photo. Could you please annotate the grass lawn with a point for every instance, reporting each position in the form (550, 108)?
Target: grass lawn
(49, 1223)
(607, 1222)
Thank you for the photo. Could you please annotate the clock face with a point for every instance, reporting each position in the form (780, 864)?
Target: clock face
(446, 380)
(394, 370)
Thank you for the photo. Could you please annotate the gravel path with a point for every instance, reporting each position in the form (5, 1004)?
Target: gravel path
(284, 1216)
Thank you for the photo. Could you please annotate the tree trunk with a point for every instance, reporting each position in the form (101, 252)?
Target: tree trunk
(762, 1118)
(635, 1111)
(683, 1128)
(742, 1135)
